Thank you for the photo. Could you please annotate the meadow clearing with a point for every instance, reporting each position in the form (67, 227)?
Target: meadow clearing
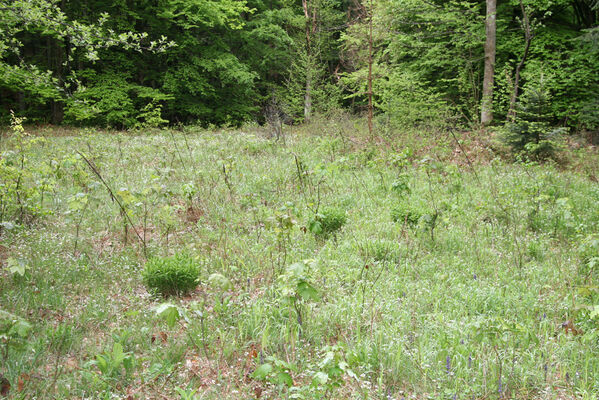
(423, 266)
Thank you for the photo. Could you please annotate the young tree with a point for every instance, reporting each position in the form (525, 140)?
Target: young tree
(528, 36)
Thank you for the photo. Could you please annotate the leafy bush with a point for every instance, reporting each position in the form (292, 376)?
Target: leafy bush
(327, 221)
(406, 213)
(173, 275)
(531, 135)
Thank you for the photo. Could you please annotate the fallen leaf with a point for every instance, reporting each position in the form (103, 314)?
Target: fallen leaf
(21, 381)
(163, 336)
(570, 327)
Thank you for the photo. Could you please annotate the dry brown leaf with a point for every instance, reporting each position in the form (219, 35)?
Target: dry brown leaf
(21, 381)
(569, 327)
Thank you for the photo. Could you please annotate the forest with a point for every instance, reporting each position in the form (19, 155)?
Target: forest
(299, 199)
(124, 64)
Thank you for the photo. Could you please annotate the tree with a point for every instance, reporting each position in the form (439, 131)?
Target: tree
(26, 23)
(528, 36)
(310, 85)
(490, 48)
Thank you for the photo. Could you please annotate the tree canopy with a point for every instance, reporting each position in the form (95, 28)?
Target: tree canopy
(117, 63)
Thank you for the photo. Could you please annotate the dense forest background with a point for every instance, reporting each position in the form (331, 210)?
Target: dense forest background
(127, 63)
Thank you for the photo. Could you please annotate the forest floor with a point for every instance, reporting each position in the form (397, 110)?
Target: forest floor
(457, 274)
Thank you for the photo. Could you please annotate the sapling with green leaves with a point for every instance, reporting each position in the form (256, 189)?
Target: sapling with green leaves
(23, 183)
(112, 366)
(297, 289)
(14, 332)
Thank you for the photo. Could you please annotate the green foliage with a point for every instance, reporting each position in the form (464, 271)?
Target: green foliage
(406, 213)
(170, 313)
(23, 185)
(378, 250)
(14, 332)
(275, 371)
(174, 275)
(111, 100)
(530, 135)
(17, 266)
(333, 369)
(114, 363)
(296, 285)
(327, 221)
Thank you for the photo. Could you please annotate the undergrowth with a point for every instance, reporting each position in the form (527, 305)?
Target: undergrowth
(442, 274)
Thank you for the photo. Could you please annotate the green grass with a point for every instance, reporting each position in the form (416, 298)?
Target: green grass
(473, 303)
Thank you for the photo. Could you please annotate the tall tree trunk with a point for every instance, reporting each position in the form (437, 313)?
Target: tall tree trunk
(370, 56)
(486, 115)
(528, 36)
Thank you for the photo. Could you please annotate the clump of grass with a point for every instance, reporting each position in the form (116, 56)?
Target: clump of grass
(406, 213)
(175, 275)
(378, 250)
(327, 221)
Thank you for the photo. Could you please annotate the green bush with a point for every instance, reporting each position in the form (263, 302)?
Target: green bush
(327, 221)
(406, 213)
(178, 274)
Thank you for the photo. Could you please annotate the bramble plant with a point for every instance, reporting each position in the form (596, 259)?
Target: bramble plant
(297, 289)
(275, 371)
(174, 275)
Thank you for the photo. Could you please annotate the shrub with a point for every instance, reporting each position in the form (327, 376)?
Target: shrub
(178, 274)
(406, 213)
(327, 221)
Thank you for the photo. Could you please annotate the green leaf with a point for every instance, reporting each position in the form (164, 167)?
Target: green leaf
(117, 354)
(20, 329)
(307, 291)
(169, 312)
(219, 281)
(17, 266)
(283, 378)
(315, 227)
(320, 378)
(262, 371)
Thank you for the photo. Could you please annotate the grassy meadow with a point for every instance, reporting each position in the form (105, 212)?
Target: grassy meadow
(416, 267)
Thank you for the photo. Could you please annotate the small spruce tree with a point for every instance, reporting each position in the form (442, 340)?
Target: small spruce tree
(530, 134)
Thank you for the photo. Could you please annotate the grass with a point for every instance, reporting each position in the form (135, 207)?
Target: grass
(487, 295)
